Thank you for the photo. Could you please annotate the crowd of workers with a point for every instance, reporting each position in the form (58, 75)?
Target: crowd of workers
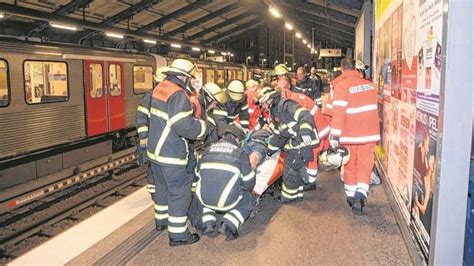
(245, 127)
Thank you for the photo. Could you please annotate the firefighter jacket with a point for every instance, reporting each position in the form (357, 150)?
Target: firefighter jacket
(290, 122)
(308, 87)
(232, 111)
(254, 109)
(355, 116)
(223, 172)
(142, 120)
(172, 124)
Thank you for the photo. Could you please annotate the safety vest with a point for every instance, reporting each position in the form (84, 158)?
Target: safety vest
(355, 111)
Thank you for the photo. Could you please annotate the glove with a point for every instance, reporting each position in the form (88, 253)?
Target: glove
(333, 142)
(306, 140)
(141, 154)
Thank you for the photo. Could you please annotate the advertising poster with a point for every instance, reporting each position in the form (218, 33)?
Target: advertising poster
(424, 180)
(396, 52)
(409, 57)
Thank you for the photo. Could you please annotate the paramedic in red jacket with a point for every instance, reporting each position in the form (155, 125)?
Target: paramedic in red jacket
(251, 87)
(355, 125)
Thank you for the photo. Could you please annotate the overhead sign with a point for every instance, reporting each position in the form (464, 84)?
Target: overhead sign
(330, 53)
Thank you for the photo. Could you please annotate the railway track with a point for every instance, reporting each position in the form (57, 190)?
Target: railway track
(58, 206)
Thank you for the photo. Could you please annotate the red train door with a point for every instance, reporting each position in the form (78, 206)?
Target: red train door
(116, 95)
(96, 99)
(105, 99)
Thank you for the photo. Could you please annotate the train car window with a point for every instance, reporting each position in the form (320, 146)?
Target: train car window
(239, 75)
(115, 80)
(210, 75)
(142, 79)
(46, 81)
(97, 80)
(220, 77)
(4, 88)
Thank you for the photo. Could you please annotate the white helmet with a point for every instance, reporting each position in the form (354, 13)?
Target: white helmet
(334, 158)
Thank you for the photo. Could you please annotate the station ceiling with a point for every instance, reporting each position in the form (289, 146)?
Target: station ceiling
(203, 22)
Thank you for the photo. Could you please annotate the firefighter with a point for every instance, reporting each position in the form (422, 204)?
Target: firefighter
(306, 85)
(294, 132)
(251, 87)
(319, 85)
(355, 125)
(212, 97)
(172, 126)
(225, 183)
(236, 106)
(281, 70)
(142, 121)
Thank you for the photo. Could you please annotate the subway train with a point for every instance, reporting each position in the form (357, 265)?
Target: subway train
(61, 105)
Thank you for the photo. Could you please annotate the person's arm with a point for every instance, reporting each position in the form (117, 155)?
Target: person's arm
(339, 105)
(244, 116)
(248, 175)
(142, 119)
(181, 119)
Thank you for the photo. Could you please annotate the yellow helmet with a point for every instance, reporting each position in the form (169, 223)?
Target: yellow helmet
(266, 94)
(280, 69)
(251, 83)
(235, 90)
(182, 67)
(159, 76)
(215, 92)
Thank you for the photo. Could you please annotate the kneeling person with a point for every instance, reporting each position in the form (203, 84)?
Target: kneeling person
(225, 183)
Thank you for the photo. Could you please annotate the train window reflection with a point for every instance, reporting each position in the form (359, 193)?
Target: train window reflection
(96, 80)
(142, 79)
(4, 89)
(115, 79)
(46, 82)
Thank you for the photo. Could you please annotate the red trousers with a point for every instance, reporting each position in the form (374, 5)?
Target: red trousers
(360, 165)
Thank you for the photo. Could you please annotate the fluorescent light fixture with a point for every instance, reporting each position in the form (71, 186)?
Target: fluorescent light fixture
(1, 15)
(114, 35)
(149, 41)
(175, 45)
(211, 51)
(309, 46)
(298, 35)
(64, 27)
(223, 53)
(196, 49)
(275, 12)
(288, 26)
(48, 53)
(305, 42)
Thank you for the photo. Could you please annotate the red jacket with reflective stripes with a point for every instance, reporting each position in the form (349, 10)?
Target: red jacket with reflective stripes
(355, 116)
(254, 109)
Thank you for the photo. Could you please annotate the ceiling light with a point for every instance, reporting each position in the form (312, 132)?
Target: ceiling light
(175, 45)
(248, 57)
(305, 64)
(196, 49)
(305, 42)
(275, 12)
(298, 35)
(223, 53)
(309, 46)
(149, 41)
(64, 27)
(211, 51)
(288, 26)
(312, 50)
(1, 15)
(276, 61)
(286, 63)
(231, 54)
(264, 59)
(114, 35)
(48, 53)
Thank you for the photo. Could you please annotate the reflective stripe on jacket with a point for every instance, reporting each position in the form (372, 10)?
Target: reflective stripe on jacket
(355, 114)
(142, 119)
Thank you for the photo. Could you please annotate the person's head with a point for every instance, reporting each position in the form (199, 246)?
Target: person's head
(251, 84)
(313, 71)
(231, 132)
(300, 73)
(347, 64)
(284, 82)
(184, 70)
(235, 90)
(280, 70)
(266, 96)
(212, 92)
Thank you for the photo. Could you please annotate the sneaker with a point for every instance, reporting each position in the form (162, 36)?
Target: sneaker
(374, 178)
(280, 200)
(191, 240)
(230, 234)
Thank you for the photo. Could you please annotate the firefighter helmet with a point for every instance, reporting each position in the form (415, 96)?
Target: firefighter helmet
(266, 94)
(334, 158)
(280, 70)
(235, 90)
(250, 84)
(159, 76)
(233, 129)
(181, 67)
(215, 92)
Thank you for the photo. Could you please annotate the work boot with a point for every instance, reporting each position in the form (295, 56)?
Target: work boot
(208, 229)
(280, 200)
(230, 234)
(191, 240)
(160, 227)
(358, 203)
(309, 186)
